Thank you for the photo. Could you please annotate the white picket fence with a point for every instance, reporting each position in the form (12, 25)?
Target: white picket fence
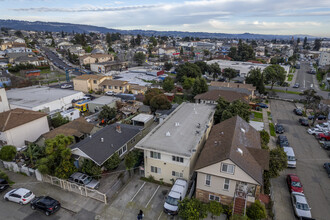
(12, 166)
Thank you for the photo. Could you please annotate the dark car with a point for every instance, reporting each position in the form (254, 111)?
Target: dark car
(282, 141)
(298, 111)
(279, 129)
(327, 168)
(3, 185)
(262, 105)
(303, 121)
(46, 204)
(326, 145)
(320, 117)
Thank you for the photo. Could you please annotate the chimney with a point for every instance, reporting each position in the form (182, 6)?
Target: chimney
(118, 128)
(102, 139)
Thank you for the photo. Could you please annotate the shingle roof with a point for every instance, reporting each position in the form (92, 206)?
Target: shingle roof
(17, 117)
(233, 85)
(100, 151)
(223, 143)
(76, 128)
(113, 82)
(229, 96)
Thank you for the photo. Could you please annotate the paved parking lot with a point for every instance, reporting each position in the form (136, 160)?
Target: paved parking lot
(310, 158)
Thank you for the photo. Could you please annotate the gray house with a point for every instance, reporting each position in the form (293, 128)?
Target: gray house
(97, 104)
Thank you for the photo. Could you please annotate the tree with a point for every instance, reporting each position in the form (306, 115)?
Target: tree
(203, 67)
(34, 152)
(153, 41)
(256, 78)
(131, 159)
(243, 52)
(264, 136)
(229, 73)
(313, 102)
(215, 70)
(107, 113)
(192, 209)
(277, 162)
(305, 42)
(58, 120)
(168, 84)
(181, 51)
(139, 58)
(298, 40)
(274, 74)
(150, 93)
(256, 211)
(19, 34)
(189, 70)
(188, 82)
(8, 153)
(226, 110)
(113, 162)
(200, 86)
(317, 44)
(206, 52)
(91, 168)
(215, 208)
(168, 66)
(159, 102)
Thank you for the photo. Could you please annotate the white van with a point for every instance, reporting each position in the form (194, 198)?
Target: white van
(177, 193)
(291, 157)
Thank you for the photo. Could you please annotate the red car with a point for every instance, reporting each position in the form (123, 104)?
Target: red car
(324, 136)
(294, 183)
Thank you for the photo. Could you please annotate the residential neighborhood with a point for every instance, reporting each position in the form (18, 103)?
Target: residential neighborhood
(117, 126)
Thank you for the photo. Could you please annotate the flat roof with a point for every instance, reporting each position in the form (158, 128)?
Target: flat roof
(142, 117)
(104, 100)
(181, 131)
(34, 96)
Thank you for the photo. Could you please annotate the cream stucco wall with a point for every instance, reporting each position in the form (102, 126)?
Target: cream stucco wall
(116, 89)
(28, 132)
(80, 85)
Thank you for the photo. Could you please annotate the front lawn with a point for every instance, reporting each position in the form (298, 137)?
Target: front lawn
(290, 77)
(272, 129)
(257, 116)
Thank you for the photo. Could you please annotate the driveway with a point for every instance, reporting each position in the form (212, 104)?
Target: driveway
(310, 158)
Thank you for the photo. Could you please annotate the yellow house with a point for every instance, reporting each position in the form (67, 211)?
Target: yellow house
(117, 86)
(95, 58)
(85, 83)
(137, 89)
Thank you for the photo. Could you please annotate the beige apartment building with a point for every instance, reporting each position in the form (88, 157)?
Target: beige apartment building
(116, 86)
(87, 82)
(95, 58)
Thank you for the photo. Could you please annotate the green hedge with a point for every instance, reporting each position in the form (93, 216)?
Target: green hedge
(272, 129)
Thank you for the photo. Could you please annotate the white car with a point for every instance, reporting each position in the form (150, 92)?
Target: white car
(110, 93)
(20, 196)
(300, 205)
(315, 131)
(324, 126)
(66, 86)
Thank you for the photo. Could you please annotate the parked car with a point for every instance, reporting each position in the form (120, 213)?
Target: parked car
(20, 196)
(262, 105)
(324, 136)
(282, 140)
(291, 157)
(320, 117)
(323, 126)
(327, 168)
(3, 185)
(300, 205)
(296, 85)
(326, 145)
(110, 93)
(177, 193)
(279, 128)
(298, 111)
(294, 183)
(84, 180)
(66, 86)
(304, 121)
(314, 131)
(45, 204)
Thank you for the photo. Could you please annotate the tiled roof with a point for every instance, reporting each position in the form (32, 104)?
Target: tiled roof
(230, 96)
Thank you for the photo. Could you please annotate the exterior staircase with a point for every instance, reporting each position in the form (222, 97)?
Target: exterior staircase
(239, 206)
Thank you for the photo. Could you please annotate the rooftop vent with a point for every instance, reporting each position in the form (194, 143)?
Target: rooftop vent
(215, 142)
(177, 124)
(112, 145)
(239, 150)
(243, 130)
(102, 140)
(198, 125)
(118, 128)
(168, 134)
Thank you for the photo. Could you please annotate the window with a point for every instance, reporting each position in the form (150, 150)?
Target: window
(94, 81)
(214, 197)
(116, 87)
(104, 87)
(208, 180)
(177, 174)
(110, 87)
(226, 185)
(122, 150)
(156, 170)
(177, 159)
(121, 88)
(227, 168)
(154, 155)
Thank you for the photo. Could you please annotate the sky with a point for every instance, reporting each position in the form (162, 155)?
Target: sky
(285, 17)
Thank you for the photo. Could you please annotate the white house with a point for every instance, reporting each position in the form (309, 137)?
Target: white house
(324, 59)
(18, 126)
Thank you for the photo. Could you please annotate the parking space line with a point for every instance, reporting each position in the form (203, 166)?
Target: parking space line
(160, 215)
(138, 191)
(152, 196)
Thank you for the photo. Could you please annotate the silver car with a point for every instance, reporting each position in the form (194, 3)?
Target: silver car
(84, 180)
(300, 205)
(21, 196)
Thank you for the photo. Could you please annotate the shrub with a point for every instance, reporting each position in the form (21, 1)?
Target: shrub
(7, 153)
(264, 137)
(256, 211)
(4, 176)
(215, 208)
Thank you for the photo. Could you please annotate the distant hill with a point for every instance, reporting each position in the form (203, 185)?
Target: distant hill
(80, 28)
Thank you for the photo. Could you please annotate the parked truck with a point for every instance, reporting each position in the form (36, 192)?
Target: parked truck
(177, 193)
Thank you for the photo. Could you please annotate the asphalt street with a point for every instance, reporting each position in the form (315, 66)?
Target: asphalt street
(310, 158)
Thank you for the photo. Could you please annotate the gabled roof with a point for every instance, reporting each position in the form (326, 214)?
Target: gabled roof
(225, 141)
(228, 95)
(233, 85)
(17, 117)
(107, 141)
(113, 82)
(76, 128)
